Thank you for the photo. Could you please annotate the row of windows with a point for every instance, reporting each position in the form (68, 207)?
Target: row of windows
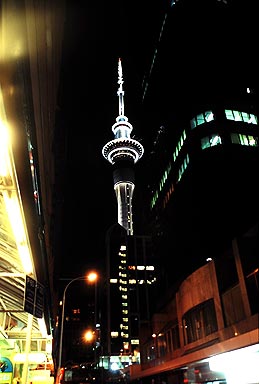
(241, 116)
(236, 138)
(123, 282)
(202, 118)
(230, 114)
(248, 140)
(168, 195)
(168, 169)
(183, 167)
(198, 323)
(208, 141)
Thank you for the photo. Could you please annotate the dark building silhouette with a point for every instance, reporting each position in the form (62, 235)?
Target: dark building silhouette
(137, 251)
(78, 320)
(204, 146)
(200, 188)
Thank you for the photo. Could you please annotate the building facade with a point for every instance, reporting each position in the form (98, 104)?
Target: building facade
(203, 152)
(30, 51)
(208, 330)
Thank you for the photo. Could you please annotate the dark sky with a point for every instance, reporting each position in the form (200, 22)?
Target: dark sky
(97, 33)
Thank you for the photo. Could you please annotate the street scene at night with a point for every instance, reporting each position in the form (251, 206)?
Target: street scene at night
(129, 228)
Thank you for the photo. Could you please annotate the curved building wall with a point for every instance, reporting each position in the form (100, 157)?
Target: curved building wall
(205, 317)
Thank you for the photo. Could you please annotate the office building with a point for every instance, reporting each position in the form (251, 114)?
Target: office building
(202, 193)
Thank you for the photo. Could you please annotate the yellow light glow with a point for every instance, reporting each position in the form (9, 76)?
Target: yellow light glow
(13, 43)
(15, 217)
(89, 335)
(114, 334)
(42, 327)
(4, 143)
(92, 277)
(11, 195)
(113, 281)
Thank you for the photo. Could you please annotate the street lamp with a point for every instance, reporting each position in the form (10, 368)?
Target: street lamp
(92, 278)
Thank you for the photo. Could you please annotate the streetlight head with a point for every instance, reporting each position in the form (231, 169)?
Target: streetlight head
(92, 277)
(89, 335)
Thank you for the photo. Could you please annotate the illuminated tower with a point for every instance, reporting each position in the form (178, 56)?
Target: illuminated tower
(123, 152)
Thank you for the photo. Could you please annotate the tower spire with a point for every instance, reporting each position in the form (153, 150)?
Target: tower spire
(120, 92)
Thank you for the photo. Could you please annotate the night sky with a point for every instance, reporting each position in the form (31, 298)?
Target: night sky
(97, 33)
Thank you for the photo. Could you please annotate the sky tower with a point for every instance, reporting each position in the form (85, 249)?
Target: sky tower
(123, 152)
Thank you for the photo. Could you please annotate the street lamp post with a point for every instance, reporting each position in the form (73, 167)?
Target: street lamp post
(92, 278)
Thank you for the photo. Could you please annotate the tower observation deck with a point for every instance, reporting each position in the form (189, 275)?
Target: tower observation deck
(123, 152)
